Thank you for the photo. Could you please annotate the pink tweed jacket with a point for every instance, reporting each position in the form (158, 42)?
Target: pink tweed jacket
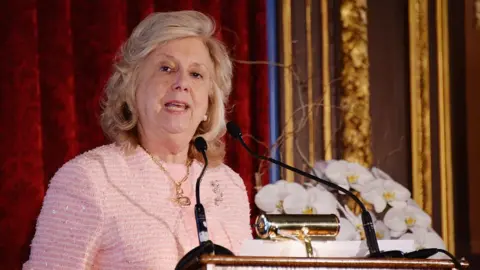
(107, 210)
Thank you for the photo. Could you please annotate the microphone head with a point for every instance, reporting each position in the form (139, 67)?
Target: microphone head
(200, 144)
(234, 130)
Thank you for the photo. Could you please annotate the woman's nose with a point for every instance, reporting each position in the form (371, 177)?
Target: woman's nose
(181, 82)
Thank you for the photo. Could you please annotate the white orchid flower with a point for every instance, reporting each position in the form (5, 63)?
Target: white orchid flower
(381, 192)
(313, 200)
(267, 198)
(296, 201)
(413, 203)
(399, 220)
(321, 201)
(293, 198)
(382, 231)
(426, 238)
(270, 197)
(282, 187)
(320, 166)
(356, 220)
(347, 232)
(379, 174)
(348, 174)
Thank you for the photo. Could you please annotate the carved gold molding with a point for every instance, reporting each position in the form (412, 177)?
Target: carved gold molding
(420, 103)
(446, 175)
(326, 91)
(355, 81)
(288, 85)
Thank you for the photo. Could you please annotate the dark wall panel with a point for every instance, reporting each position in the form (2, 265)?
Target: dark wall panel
(389, 87)
(472, 72)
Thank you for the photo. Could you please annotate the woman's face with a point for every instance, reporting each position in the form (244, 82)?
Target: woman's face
(173, 88)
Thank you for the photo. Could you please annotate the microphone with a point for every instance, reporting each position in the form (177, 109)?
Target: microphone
(200, 217)
(367, 221)
(191, 260)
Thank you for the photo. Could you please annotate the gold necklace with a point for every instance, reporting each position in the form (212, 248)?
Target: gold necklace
(179, 199)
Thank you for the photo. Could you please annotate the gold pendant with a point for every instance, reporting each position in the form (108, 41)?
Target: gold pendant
(179, 198)
(183, 201)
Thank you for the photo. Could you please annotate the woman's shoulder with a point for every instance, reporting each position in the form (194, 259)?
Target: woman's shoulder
(94, 157)
(79, 180)
(221, 168)
(89, 162)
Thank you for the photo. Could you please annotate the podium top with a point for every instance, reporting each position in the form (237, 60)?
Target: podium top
(302, 262)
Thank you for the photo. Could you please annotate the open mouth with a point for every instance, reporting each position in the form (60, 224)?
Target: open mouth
(177, 106)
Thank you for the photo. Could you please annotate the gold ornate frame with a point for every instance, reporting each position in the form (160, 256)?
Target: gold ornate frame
(420, 104)
(326, 90)
(355, 101)
(445, 144)
(420, 112)
(288, 85)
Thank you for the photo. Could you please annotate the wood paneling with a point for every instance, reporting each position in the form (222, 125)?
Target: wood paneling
(459, 124)
(389, 87)
(434, 116)
(302, 80)
(472, 72)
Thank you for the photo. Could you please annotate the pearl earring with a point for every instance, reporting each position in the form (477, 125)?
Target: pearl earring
(205, 117)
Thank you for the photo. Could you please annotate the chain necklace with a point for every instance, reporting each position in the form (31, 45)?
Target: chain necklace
(179, 199)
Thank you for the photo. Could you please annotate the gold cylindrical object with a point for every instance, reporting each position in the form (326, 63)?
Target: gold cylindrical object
(316, 227)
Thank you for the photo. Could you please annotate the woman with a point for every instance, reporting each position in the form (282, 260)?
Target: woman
(129, 205)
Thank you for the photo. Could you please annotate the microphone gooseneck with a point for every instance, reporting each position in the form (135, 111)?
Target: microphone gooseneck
(427, 252)
(191, 260)
(200, 217)
(201, 146)
(367, 221)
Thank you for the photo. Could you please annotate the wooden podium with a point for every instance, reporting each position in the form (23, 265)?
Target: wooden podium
(218, 262)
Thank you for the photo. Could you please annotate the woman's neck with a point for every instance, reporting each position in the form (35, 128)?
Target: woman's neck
(170, 148)
(167, 151)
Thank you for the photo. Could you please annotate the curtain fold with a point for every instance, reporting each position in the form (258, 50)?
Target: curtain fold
(56, 57)
(22, 174)
(57, 84)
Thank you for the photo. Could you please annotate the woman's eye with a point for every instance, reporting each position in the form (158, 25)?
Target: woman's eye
(165, 68)
(197, 75)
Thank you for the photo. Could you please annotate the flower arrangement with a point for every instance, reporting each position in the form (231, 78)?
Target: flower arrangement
(395, 213)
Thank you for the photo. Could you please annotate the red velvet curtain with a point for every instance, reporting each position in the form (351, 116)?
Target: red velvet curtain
(55, 57)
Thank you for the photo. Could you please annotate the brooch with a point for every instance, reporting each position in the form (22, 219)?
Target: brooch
(218, 193)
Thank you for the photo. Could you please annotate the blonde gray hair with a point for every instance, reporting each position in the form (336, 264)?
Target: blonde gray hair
(119, 117)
